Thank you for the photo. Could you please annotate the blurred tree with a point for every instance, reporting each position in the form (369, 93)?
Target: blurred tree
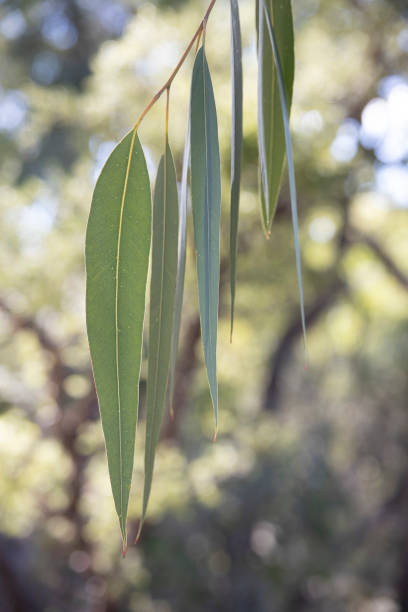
(302, 503)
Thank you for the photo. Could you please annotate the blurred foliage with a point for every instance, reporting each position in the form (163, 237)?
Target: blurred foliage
(302, 502)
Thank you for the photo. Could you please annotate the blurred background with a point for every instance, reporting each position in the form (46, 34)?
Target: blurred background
(302, 504)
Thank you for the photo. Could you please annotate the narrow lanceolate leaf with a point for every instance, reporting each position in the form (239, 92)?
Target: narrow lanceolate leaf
(271, 133)
(291, 169)
(181, 268)
(263, 164)
(162, 296)
(236, 144)
(117, 258)
(206, 202)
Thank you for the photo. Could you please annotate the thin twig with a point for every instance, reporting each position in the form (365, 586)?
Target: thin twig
(171, 78)
(357, 237)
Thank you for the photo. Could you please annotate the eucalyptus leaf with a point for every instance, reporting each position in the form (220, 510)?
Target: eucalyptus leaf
(263, 162)
(206, 203)
(181, 267)
(291, 168)
(271, 134)
(117, 258)
(162, 298)
(236, 145)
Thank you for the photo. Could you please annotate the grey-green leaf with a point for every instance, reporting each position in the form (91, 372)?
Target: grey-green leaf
(162, 297)
(271, 134)
(236, 144)
(206, 203)
(288, 143)
(181, 268)
(117, 258)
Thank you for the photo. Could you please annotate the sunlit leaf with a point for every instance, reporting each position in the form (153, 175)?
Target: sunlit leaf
(271, 135)
(288, 143)
(181, 267)
(162, 297)
(206, 202)
(236, 144)
(117, 255)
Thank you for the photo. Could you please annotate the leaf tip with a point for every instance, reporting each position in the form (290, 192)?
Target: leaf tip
(306, 355)
(267, 232)
(124, 549)
(139, 531)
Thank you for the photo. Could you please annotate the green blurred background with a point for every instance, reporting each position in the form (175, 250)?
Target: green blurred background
(302, 504)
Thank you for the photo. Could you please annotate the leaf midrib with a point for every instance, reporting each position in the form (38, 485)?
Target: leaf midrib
(122, 207)
(207, 224)
(149, 441)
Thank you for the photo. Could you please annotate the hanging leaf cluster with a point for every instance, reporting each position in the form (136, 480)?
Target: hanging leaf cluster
(127, 232)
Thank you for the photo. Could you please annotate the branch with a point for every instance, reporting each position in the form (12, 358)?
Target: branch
(280, 357)
(187, 362)
(355, 236)
(320, 306)
(26, 322)
(186, 365)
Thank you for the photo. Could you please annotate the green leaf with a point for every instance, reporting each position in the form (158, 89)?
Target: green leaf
(181, 268)
(291, 168)
(236, 145)
(206, 203)
(261, 123)
(162, 296)
(271, 134)
(117, 258)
